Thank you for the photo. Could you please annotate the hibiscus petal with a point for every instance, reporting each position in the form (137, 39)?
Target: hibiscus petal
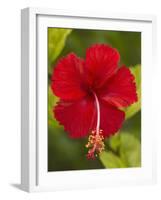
(101, 63)
(111, 119)
(67, 79)
(78, 118)
(120, 90)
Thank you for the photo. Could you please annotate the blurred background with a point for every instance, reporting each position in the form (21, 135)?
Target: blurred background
(123, 150)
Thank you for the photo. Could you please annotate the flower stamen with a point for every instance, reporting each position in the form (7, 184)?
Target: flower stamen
(95, 144)
(95, 140)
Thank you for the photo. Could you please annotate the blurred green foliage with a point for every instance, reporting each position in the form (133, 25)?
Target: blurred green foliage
(124, 151)
(134, 108)
(56, 42)
(124, 148)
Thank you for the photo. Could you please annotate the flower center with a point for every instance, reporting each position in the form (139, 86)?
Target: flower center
(95, 140)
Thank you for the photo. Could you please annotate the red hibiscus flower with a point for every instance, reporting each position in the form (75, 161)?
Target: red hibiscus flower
(91, 92)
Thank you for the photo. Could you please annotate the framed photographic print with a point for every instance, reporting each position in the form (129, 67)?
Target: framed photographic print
(87, 113)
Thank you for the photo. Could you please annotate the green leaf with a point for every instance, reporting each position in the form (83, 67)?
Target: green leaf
(130, 150)
(110, 160)
(56, 42)
(52, 99)
(134, 108)
(125, 151)
(114, 142)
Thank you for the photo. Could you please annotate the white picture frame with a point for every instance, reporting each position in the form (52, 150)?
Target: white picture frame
(34, 175)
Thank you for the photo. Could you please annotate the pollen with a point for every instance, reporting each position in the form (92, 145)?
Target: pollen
(95, 144)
